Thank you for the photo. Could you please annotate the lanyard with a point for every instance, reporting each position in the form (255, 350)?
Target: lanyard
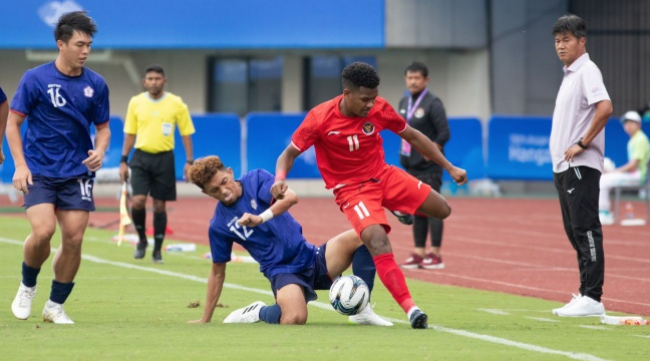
(410, 111)
(411, 108)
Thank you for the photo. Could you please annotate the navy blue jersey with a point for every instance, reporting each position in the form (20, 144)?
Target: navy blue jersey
(3, 97)
(59, 110)
(278, 245)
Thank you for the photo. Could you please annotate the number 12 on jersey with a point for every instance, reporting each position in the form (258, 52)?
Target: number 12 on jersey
(246, 232)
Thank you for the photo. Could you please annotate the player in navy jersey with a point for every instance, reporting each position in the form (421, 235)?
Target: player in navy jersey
(56, 161)
(247, 215)
(4, 110)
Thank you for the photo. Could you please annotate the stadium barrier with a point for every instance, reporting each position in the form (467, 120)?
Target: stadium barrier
(516, 146)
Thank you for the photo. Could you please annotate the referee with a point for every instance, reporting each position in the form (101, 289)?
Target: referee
(150, 121)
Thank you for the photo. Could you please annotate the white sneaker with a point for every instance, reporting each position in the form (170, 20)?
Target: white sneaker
(248, 314)
(53, 313)
(584, 307)
(22, 305)
(573, 300)
(368, 317)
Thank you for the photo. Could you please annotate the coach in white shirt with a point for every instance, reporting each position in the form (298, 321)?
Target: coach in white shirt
(577, 145)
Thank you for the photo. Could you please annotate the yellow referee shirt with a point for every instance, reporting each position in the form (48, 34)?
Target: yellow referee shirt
(153, 121)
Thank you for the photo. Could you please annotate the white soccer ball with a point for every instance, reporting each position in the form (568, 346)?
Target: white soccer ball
(349, 295)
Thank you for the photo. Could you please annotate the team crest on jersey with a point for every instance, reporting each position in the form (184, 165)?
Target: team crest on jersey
(419, 113)
(89, 91)
(253, 204)
(368, 128)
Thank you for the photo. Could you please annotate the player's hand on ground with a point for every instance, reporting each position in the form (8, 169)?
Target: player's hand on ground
(124, 172)
(22, 177)
(250, 220)
(278, 189)
(198, 321)
(572, 152)
(459, 175)
(94, 160)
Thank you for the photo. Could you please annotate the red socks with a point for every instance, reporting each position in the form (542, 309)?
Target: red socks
(392, 277)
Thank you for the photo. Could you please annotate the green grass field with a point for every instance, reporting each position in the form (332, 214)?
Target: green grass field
(127, 309)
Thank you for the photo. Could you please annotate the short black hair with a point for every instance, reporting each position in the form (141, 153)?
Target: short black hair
(417, 67)
(74, 21)
(155, 68)
(570, 24)
(359, 74)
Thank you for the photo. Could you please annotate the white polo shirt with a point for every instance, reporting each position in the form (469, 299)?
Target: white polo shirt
(575, 106)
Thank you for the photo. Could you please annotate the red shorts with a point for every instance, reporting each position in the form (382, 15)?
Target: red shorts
(392, 188)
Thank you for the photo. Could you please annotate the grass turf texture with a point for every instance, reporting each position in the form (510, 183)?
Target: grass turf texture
(123, 313)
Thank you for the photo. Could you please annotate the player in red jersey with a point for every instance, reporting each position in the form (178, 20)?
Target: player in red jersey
(350, 157)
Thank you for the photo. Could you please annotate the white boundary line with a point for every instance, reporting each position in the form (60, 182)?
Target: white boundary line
(478, 336)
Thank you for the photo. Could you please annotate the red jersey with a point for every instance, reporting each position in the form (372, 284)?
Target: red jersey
(348, 149)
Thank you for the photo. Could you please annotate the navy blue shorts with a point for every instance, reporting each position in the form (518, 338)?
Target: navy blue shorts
(314, 278)
(64, 193)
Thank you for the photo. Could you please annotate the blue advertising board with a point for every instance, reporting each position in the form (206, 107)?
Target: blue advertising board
(518, 148)
(268, 136)
(192, 24)
(464, 148)
(216, 134)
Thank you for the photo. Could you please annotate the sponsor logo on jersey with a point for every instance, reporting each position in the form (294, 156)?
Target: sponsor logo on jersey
(368, 128)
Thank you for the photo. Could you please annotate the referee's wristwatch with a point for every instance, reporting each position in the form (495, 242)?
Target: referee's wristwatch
(190, 161)
(124, 159)
(581, 144)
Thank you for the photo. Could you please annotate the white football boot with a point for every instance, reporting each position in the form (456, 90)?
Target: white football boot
(248, 314)
(53, 313)
(368, 317)
(22, 305)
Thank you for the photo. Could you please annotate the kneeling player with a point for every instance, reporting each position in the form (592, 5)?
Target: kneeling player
(247, 214)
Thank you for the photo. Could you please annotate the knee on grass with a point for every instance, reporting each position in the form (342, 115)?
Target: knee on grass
(293, 318)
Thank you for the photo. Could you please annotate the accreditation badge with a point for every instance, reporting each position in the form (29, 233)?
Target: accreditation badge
(167, 129)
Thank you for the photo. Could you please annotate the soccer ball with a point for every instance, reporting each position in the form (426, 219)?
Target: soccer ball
(349, 295)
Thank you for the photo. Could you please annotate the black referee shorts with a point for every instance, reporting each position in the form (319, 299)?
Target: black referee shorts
(153, 174)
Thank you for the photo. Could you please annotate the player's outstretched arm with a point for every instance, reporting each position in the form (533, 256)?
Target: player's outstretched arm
(215, 286)
(282, 167)
(4, 113)
(22, 175)
(427, 148)
(96, 156)
(252, 220)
